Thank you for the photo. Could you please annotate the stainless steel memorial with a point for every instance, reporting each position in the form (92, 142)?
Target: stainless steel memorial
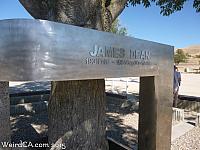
(38, 50)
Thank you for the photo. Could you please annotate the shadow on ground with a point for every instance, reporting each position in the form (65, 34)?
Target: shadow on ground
(121, 126)
(29, 128)
(34, 126)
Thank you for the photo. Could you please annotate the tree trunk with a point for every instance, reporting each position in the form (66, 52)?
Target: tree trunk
(77, 108)
(77, 114)
(4, 114)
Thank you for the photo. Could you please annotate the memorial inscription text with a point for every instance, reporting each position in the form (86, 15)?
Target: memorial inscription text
(119, 56)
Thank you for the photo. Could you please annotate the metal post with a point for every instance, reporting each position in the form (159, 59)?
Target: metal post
(4, 114)
(155, 110)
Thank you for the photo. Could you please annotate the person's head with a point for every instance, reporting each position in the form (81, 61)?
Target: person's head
(175, 68)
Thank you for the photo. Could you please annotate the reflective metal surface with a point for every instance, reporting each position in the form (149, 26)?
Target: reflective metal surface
(43, 50)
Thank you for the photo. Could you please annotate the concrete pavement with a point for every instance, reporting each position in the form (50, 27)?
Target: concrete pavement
(180, 129)
(190, 85)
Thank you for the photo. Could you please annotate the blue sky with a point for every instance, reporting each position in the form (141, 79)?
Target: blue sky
(180, 29)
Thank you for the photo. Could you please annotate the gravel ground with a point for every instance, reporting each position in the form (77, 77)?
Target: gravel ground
(122, 126)
(29, 127)
(122, 122)
(189, 141)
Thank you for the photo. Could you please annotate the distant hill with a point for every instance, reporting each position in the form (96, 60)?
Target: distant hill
(192, 50)
(193, 62)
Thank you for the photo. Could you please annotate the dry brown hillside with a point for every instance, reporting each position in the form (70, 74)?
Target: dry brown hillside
(193, 62)
(192, 50)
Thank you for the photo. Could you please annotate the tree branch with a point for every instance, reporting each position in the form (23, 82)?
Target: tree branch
(116, 7)
(37, 8)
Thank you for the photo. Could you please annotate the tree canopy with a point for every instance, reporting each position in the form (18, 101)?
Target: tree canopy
(117, 28)
(41, 9)
(167, 6)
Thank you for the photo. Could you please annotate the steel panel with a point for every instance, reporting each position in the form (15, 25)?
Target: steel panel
(34, 50)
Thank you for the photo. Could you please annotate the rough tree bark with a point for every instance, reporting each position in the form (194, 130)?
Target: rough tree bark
(77, 108)
(77, 113)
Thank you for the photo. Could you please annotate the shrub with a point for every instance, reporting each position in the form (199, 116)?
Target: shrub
(197, 56)
(180, 56)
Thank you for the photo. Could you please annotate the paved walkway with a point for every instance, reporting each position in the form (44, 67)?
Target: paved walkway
(180, 129)
(190, 85)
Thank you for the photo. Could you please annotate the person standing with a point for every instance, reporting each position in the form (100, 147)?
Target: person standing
(177, 83)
